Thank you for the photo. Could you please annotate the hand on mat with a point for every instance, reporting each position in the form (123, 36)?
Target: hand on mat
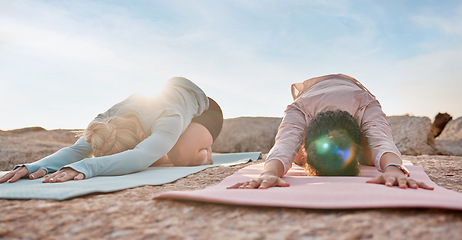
(21, 172)
(64, 175)
(262, 182)
(398, 178)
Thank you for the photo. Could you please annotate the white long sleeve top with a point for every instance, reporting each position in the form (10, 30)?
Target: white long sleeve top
(163, 117)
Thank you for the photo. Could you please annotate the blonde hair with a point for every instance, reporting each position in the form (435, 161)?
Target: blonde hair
(114, 135)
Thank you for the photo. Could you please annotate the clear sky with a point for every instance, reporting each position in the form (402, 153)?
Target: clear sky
(63, 62)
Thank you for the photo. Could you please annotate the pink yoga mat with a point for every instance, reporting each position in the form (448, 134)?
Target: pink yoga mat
(324, 192)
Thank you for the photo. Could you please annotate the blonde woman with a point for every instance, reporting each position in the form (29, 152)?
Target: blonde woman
(176, 127)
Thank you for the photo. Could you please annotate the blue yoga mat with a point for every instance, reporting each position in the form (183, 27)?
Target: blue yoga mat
(35, 189)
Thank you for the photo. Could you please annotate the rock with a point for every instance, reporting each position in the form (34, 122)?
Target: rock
(28, 129)
(243, 134)
(412, 135)
(450, 140)
(247, 134)
(31, 144)
(441, 119)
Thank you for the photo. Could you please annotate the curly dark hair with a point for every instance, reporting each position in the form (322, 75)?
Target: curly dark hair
(333, 144)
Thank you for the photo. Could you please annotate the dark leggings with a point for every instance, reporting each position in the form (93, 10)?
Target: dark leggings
(212, 119)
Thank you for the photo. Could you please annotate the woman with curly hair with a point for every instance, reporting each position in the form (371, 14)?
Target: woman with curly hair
(176, 127)
(333, 125)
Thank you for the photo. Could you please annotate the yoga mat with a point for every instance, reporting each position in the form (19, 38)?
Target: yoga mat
(35, 189)
(324, 192)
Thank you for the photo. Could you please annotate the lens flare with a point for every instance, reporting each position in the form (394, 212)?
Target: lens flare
(333, 157)
(323, 145)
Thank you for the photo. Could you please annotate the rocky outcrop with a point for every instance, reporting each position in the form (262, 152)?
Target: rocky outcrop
(247, 134)
(441, 119)
(450, 140)
(31, 144)
(412, 135)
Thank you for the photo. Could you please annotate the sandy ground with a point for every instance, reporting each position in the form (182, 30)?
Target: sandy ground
(132, 214)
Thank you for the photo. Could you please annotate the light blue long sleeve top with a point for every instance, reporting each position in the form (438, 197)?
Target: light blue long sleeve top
(163, 117)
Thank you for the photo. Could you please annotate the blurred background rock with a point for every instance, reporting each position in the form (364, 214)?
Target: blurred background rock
(412, 135)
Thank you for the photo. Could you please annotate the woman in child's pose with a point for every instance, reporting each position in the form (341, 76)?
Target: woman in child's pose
(333, 124)
(178, 126)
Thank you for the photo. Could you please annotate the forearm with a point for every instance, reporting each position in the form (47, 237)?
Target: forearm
(290, 136)
(379, 137)
(126, 162)
(68, 155)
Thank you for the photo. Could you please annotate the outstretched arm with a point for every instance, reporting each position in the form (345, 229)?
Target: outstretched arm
(280, 158)
(165, 133)
(384, 151)
(80, 150)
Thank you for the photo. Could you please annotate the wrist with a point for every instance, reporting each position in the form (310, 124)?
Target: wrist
(273, 168)
(267, 173)
(396, 167)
